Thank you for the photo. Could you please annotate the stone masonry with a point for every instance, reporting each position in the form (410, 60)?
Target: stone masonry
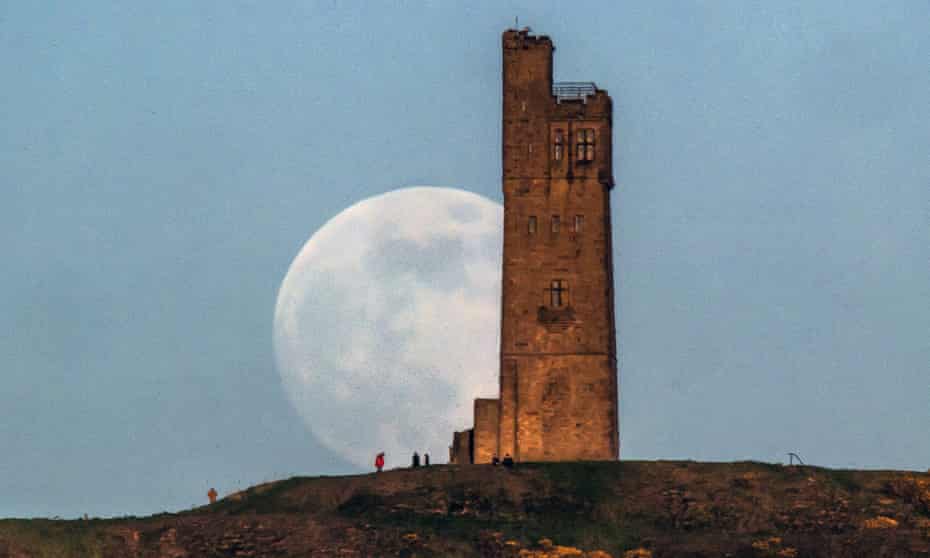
(487, 423)
(558, 362)
(462, 452)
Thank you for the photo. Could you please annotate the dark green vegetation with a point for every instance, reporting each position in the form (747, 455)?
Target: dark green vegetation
(666, 508)
(51, 538)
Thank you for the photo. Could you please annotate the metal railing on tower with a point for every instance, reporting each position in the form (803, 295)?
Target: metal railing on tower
(573, 90)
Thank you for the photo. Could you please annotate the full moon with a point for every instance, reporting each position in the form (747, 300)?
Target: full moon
(386, 325)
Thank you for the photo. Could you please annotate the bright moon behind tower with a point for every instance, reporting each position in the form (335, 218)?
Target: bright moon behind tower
(387, 323)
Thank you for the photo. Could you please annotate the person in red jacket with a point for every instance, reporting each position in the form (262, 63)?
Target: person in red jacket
(379, 461)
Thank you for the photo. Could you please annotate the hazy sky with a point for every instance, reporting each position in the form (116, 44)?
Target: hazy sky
(162, 163)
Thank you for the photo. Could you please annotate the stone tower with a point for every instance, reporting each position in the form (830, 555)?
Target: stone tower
(558, 362)
(558, 351)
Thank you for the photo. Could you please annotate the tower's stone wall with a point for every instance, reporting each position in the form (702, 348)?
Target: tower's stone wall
(558, 356)
(558, 362)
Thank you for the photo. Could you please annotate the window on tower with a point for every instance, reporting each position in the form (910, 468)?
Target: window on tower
(578, 224)
(556, 223)
(531, 224)
(584, 145)
(558, 293)
(557, 146)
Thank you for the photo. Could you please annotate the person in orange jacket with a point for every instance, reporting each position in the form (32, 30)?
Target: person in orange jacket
(379, 461)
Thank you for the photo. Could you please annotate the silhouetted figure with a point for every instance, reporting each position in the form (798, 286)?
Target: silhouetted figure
(426, 460)
(495, 460)
(379, 461)
(416, 459)
(508, 461)
(212, 495)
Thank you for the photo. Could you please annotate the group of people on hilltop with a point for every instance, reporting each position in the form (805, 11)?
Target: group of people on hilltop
(379, 460)
(507, 461)
(416, 460)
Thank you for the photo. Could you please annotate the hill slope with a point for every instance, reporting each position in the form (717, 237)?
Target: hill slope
(622, 509)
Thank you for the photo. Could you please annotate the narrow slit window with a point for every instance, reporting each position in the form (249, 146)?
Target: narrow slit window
(578, 224)
(531, 224)
(584, 145)
(556, 223)
(557, 146)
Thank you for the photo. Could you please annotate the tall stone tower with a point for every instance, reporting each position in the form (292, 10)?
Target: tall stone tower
(558, 370)
(558, 361)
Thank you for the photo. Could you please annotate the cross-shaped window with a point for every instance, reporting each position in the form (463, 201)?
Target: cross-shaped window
(584, 145)
(558, 293)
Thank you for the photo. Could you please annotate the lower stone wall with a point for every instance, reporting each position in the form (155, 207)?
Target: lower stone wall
(507, 431)
(462, 450)
(486, 430)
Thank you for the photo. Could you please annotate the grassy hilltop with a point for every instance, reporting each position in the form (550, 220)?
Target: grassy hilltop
(619, 509)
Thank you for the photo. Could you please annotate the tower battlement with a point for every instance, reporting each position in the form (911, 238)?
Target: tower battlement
(523, 38)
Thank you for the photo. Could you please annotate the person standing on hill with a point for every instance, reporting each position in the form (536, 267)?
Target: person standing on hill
(426, 460)
(416, 460)
(379, 461)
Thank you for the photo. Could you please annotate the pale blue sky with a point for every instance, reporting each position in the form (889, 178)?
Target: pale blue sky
(162, 163)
